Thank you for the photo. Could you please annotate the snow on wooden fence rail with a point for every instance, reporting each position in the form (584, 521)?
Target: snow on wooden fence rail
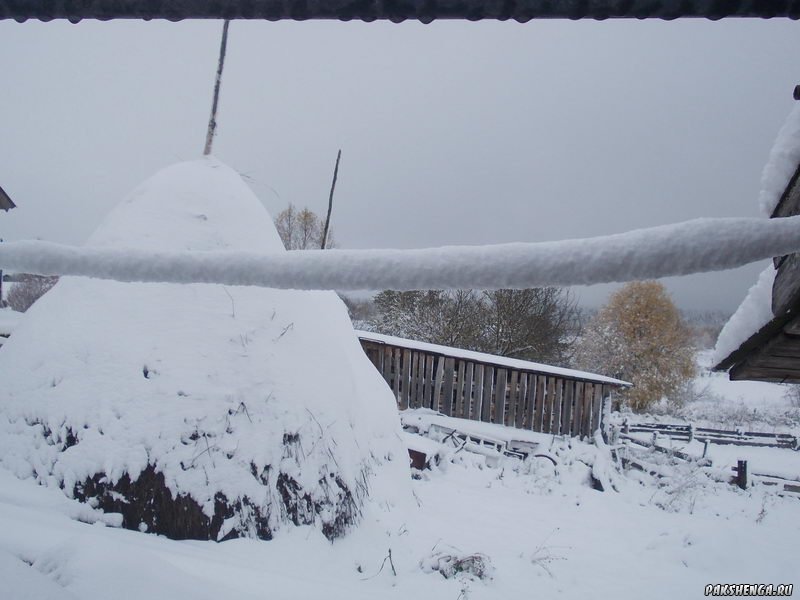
(715, 436)
(483, 387)
(680, 249)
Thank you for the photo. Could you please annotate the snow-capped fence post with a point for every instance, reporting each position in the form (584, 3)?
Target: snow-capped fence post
(741, 474)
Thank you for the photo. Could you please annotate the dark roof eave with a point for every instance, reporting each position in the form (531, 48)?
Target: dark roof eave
(394, 10)
(755, 341)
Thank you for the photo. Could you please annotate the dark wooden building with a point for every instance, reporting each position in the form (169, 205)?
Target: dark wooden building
(773, 352)
(483, 387)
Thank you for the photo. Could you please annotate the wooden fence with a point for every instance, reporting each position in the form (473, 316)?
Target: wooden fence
(687, 433)
(484, 391)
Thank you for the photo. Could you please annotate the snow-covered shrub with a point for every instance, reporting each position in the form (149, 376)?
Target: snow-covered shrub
(793, 395)
(451, 563)
(199, 411)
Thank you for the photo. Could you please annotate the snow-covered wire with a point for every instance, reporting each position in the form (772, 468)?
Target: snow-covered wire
(680, 249)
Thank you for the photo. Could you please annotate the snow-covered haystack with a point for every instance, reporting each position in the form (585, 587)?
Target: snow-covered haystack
(199, 411)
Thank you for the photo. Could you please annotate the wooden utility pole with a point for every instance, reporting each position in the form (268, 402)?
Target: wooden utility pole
(212, 121)
(330, 201)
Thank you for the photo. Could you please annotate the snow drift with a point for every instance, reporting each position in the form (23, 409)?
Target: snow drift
(199, 411)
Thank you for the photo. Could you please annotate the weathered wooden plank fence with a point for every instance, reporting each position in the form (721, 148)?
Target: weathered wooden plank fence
(484, 387)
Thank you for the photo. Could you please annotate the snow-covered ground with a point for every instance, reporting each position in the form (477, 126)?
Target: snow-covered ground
(545, 532)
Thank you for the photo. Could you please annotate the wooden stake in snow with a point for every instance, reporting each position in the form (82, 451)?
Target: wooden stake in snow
(212, 121)
(330, 201)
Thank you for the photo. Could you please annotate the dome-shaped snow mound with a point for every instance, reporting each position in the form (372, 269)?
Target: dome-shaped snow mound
(197, 411)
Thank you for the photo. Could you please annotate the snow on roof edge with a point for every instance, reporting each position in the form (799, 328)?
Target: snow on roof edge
(514, 363)
(753, 313)
(782, 163)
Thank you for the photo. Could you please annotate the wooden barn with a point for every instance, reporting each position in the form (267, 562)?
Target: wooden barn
(484, 387)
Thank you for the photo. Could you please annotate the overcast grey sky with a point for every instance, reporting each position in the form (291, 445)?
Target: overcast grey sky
(452, 133)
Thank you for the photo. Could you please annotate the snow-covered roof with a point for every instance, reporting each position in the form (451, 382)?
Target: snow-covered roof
(502, 361)
(782, 163)
(753, 313)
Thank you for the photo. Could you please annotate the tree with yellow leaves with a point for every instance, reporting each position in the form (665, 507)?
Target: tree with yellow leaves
(639, 336)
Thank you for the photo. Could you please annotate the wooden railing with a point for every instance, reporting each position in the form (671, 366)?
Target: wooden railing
(491, 392)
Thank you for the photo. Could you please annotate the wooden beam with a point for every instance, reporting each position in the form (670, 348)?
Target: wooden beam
(538, 415)
(597, 409)
(460, 386)
(586, 411)
(519, 420)
(500, 390)
(396, 353)
(547, 407)
(477, 393)
(512, 397)
(577, 410)
(406, 383)
(566, 407)
(488, 386)
(447, 387)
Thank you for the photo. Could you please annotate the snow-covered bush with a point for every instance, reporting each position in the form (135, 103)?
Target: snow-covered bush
(199, 411)
(452, 563)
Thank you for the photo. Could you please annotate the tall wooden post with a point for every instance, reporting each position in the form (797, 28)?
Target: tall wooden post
(212, 121)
